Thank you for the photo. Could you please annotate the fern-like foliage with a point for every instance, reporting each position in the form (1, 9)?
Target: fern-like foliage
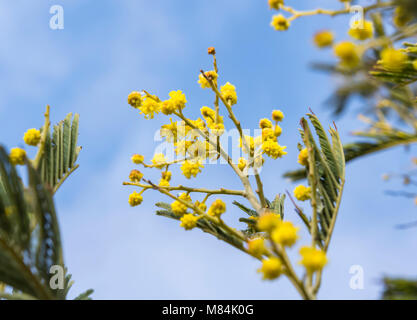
(61, 152)
(27, 249)
(30, 240)
(326, 176)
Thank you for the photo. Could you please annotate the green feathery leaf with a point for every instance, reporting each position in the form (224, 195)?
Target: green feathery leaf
(326, 176)
(61, 152)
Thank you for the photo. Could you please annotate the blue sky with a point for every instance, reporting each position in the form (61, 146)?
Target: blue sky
(109, 48)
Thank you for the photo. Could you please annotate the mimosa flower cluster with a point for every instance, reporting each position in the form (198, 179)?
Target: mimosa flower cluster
(195, 140)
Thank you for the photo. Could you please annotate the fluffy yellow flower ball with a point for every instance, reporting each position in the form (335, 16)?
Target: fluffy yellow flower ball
(268, 221)
(265, 123)
(228, 92)
(137, 159)
(191, 168)
(302, 193)
(159, 160)
(149, 107)
(135, 99)
(277, 115)
(217, 208)
(17, 156)
(168, 107)
(280, 23)
(271, 268)
(313, 259)
(178, 99)
(257, 247)
(207, 112)
(274, 4)
(135, 199)
(285, 234)
(188, 221)
(204, 83)
(323, 39)
(348, 53)
(363, 32)
(32, 137)
(177, 207)
(135, 176)
(393, 59)
(273, 149)
(303, 157)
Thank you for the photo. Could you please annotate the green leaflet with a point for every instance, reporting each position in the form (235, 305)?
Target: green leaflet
(66, 141)
(326, 176)
(245, 209)
(74, 150)
(61, 152)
